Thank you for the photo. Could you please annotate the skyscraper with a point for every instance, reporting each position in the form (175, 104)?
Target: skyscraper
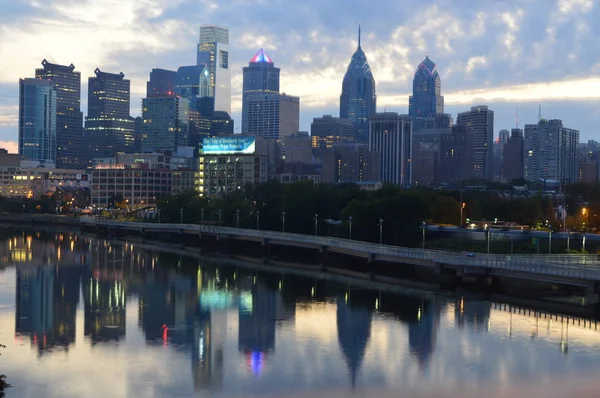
(273, 116)
(193, 82)
(358, 101)
(391, 135)
(513, 152)
(479, 121)
(327, 131)
(551, 152)
(109, 128)
(69, 118)
(213, 51)
(161, 84)
(426, 99)
(260, 76)
(165, 123)
(37, 120)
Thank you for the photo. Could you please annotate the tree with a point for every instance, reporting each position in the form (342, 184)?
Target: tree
(3, 384)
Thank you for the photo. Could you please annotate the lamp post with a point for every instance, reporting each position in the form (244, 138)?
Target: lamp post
(380, 223)
(237, 218)
(583, 244)
(350, 227)
(220, 216)
(568, 242)
(488, 233)
(462, 206)
(423, 227)
(283, 221)
(550, 240)
(181, 215)
(316, 224)
(257, 219)
(202, 215)
(158, 211)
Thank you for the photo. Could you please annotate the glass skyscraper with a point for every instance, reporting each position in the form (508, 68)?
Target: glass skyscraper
(109, 128)
(69, 118)
(260, 77)
(426, 99)
(37, 120)
(213, 51)
(165, 125)
(161, 84)
(358, 101)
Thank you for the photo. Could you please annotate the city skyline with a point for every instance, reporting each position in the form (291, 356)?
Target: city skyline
(505, 58)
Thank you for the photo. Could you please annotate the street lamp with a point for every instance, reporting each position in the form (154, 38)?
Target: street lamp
(462, 207)
(316, 224)
(549, 238)
(181, 214)
(350, 227)
(380, 223)
(423, 227)
(488, 233)
(568, 242)
(220, 212)
(283, 221)
(257, 219)
(237, 218)
(583, 249)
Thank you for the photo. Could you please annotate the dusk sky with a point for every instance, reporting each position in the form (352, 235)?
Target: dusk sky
(503, 53)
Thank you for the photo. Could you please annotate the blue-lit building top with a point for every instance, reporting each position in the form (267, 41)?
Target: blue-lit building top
(37, 120)
(427, 87)
(358, 101)
(260, 76)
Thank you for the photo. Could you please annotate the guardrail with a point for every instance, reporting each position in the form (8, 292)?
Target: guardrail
(571, 266)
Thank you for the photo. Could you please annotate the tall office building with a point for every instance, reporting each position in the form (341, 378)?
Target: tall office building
(551, 152)
(109, 128)
(213, 51)
(165, 125)
(513, 156)
(456, 157)
(358, 101)
(298, 148)
(480, 122)
(192, 82)
(426, 155)
(260, 77)
(327, 131)
(69, 118)
(161, 84)
(37, 120)
(427, 91)
(351, 163)
(273, 116)
(391, 135)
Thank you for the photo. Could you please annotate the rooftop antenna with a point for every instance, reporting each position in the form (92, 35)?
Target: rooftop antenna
(359, 35)
(539, 112)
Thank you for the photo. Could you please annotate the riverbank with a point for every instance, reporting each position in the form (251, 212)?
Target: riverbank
(40, 219)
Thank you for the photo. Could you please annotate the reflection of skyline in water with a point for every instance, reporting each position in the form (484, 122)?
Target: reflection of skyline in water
(199, 311)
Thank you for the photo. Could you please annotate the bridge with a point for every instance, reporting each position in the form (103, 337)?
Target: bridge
(569, 269)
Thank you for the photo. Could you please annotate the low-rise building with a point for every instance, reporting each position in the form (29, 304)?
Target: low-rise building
(228, 163)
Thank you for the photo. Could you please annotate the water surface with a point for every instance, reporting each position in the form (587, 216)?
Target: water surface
(86, 317)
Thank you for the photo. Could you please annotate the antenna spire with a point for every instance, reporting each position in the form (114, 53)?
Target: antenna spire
(517, 116)
(359, 35)
(539, 112)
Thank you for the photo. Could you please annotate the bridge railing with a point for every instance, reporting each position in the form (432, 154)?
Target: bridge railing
(550, 264)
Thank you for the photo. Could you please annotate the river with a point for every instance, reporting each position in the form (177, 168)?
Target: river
(87, 317)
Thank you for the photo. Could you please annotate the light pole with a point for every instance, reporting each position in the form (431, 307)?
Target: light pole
(257, 219)
(550, 240)
(202, 215)
(237, 218)
(350, 227)
(568, 242)
(488, 233)
(181, 214)
(583, 244)
(158, 211)
(380, 223)
(283, 221)
(423, 227)
(462, 206)
(316, 224)
(220, 216)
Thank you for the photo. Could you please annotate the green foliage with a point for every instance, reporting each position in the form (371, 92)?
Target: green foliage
(42, 205)
(3, 384)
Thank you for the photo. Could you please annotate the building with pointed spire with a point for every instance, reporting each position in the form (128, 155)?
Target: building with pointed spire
(427, 87)
(358, 101)
(260, 77)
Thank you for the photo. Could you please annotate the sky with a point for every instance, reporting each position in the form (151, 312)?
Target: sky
(507, 54)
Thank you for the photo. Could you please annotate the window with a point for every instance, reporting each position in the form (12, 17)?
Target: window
(224, 59)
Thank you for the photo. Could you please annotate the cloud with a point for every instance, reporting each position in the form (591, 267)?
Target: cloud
(10, 146)
(534, 50)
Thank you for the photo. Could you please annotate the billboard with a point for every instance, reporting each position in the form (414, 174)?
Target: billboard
(240, 145)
